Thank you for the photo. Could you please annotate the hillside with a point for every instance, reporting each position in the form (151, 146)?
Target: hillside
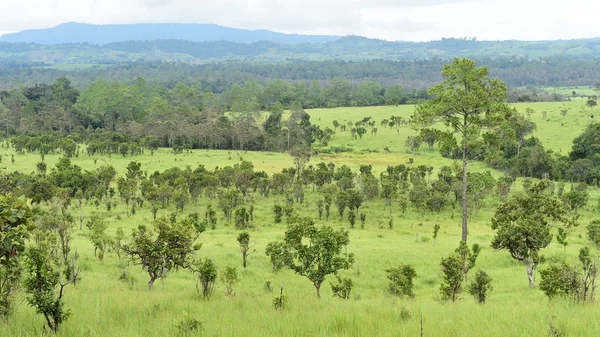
(270, 48)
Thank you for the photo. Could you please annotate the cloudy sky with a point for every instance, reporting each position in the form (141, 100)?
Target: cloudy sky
(416, 20)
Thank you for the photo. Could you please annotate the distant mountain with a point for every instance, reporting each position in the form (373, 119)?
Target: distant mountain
(102, 34)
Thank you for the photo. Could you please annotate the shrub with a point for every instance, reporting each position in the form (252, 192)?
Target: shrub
(207, 275)
(279, 301)
(189, 327)
(401, 280)
(452, 268)
(278, 210)
(343, 288)
(480, 286)
(230, 278)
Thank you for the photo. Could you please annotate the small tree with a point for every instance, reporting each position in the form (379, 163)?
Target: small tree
(452, 268)
(320, 208)
(561, 237)
(314, 252)
(401, 280)
(468, 256)
(206, 276)
(576, 282)
(44, 287)
(363, 218)
(343, 288)
(242, 218)
(351, 218)
(436, 229)
(593, 232)
(522, 225)
(480, 286)
(278, 210)
(98, 236)
(244, 240)
(15, 230)
(172, 247)
(413, 143)
(276, 252)
(230, 278)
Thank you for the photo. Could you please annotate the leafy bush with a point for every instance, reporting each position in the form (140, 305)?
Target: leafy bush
(343, 288)
(401, 280)
(480, 286)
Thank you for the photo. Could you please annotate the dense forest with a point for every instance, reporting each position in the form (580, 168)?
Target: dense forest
(218, 77)
(273, 47)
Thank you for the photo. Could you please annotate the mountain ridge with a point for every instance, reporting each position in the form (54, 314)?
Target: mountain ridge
(74, 32)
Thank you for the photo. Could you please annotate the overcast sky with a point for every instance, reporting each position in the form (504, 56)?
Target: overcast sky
(416, 20)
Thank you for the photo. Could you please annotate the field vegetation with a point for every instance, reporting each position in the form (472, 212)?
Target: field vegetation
(270, 239)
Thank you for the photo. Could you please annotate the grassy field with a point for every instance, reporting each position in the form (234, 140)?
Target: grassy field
(102, 305)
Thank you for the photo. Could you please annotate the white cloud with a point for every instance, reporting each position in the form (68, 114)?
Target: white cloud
(387, 19)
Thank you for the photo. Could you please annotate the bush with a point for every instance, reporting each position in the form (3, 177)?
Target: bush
(452, 269)
(352, 218)
(207, 275)
(230, 278)
(189, 327)
(279, 301)
(278, 210)
(480, 286)
(343, 288)
(401, 280)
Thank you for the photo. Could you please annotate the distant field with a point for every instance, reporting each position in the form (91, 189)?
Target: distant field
(104, 306)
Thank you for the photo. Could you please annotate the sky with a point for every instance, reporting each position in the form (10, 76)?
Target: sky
(407, 20)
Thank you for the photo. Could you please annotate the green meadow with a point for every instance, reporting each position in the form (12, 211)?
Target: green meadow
(102, 305)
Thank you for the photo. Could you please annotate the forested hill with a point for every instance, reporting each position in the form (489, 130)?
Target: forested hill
(516, 72)
(101, 34)
(271, 48)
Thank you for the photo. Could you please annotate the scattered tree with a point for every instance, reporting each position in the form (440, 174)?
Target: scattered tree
(523, 224)
(314, 252)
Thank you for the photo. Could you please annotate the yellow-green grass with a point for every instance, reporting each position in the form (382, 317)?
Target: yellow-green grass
(101, 305)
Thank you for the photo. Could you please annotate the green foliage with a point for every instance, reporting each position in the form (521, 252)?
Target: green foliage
(401, 280)
(466, 101)
(575, 282)
(311, 251)
(342, 288)
(480, 286)
(15, 231)
(206, 271)
(189, 327)
(436, 229)
(172, 246)
(561, 237)
(413, 143)
(593, 232)
(351, 218)
(244, 241)
(523, 225)
(559, 279)
(242, 218)
(98, 236)
(44, 287)
(452, 269)
(279, 301)
(229, 276)
(278, 210)
(468, 256)
(276, 251)
(576, 197)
